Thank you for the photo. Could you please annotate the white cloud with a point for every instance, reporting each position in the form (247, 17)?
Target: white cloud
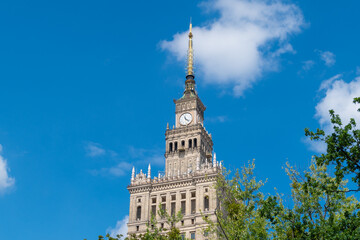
(120, 228)
(94, 149)
(339, 96)
(327, 57)
(246, 39)
(6, 182)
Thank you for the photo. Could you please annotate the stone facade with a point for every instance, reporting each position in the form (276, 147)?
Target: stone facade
(190, 172)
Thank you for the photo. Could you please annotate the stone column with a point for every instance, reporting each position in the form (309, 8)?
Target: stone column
(188, 202)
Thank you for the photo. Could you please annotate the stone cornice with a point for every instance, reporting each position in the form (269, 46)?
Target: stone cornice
(174, 182)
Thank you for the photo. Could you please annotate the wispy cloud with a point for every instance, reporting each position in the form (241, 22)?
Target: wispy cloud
(327, 57)
(120, 169)
(217, 119)
(154, 156)
(338, 95)
(120, 228)
(307, 65)
(6, 182)
(94, 149)
(130, 156)
(246, 40)
(358, 71)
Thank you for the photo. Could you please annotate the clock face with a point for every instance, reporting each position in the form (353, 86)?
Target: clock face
(185, 119)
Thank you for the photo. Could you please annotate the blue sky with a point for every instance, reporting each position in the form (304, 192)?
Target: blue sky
(86, 90)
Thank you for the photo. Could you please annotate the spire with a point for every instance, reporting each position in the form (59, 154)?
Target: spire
(190, 82)
(149, 172)
(190, 63)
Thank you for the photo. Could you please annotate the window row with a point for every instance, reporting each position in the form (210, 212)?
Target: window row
(173, 197)
(173, 205)
(182, 207)
(173, 146)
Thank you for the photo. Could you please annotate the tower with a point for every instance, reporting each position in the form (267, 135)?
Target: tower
(190, 169)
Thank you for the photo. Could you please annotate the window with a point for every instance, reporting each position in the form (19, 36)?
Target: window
(162, 225)
(192, 235)
(175, 147)
(152, 226)
(206, 233)
(183, 195)
(138, 213)
(163, 209)
(193, 194)
(183, 143)
(190, 143)
(182, 236)
(182, 222)
(153, 200)
(137, 228)
(195, 142)
(206, 203)
(153, 210)
(170, 147)
(139, 199)
(193, 206)
(173, 197)
(183, 207)
(206, 189)
(163, 198)
(193, 221)
(173, 208)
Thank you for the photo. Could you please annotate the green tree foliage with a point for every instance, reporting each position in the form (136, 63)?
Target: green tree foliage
(343, 147)
(321, 208)
(237, 213)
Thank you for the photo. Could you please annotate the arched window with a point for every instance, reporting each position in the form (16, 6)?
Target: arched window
(206, 203)
(190, 143)
(183, 143)
(195, 142)
(175, 147)
(170, 147)
(138, 213)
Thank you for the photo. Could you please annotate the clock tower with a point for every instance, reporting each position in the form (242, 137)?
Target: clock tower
(190, 170)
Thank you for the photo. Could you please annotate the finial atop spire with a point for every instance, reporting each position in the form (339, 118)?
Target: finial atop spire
(190, 63)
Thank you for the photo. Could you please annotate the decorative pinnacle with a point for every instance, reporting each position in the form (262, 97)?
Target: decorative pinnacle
(190, 63)
(133, 174)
